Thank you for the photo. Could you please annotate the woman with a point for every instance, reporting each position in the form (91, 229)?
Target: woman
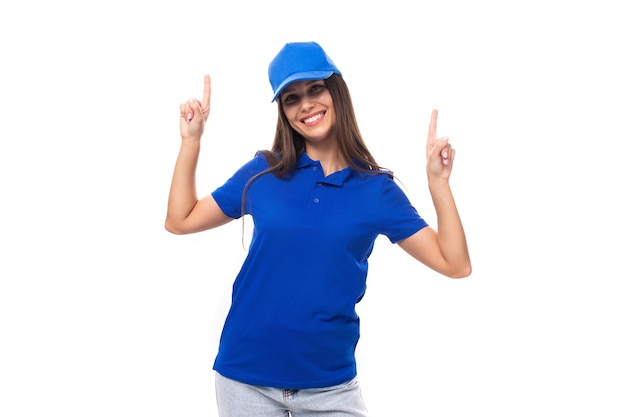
(318, 200)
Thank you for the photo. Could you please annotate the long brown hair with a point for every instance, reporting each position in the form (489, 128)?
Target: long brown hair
(289, 145)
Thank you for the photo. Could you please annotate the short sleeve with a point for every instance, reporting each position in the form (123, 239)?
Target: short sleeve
(400, 218)
(229, 196)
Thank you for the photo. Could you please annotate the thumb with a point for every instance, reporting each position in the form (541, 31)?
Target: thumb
(192, 109)
(186, 111)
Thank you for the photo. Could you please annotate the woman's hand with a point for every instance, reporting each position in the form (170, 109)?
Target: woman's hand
(194, 114)
(439, 153)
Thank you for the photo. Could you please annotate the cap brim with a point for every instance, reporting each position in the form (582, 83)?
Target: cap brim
(309, 75)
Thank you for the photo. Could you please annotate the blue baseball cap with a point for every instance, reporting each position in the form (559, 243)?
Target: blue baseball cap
(299, 61)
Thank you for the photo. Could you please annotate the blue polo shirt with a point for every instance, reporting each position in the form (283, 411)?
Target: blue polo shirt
(292, 321)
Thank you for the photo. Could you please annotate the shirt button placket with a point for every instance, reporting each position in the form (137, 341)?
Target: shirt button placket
(316, 200)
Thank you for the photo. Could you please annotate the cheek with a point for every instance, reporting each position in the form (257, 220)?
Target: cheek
(333, 115)
(290, 112)
(294, 126)
(291, 122)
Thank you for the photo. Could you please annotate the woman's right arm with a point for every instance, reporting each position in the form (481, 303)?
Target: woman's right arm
(185, 212)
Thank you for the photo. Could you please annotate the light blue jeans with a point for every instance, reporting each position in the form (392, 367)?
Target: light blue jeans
(235, 399)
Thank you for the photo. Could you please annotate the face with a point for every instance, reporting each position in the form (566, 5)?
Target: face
(309, 109)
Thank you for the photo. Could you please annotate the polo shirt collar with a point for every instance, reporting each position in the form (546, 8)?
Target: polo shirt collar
(336, 178)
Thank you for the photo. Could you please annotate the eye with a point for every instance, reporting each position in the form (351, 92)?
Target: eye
(290, 99)
(317, 88)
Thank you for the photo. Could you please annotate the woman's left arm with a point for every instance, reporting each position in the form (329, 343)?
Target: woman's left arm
(445, 249)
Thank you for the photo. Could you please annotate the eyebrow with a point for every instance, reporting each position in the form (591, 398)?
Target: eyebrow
(291, 88)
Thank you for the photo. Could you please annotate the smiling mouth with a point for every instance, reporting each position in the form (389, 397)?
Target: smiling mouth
(313, 119)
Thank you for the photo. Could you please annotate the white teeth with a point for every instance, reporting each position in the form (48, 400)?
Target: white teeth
(312, 119)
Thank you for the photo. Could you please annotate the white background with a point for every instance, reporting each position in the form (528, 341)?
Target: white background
(103, 313)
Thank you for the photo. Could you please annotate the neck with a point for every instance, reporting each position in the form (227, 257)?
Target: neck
(329, 157)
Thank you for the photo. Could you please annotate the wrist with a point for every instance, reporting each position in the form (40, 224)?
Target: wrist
(190, 139)
(438, 182)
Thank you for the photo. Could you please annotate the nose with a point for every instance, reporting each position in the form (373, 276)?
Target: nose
(306, 103)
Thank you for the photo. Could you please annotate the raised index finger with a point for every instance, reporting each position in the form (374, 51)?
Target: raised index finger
(206, 96)
(432, 128)
(432, 132)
